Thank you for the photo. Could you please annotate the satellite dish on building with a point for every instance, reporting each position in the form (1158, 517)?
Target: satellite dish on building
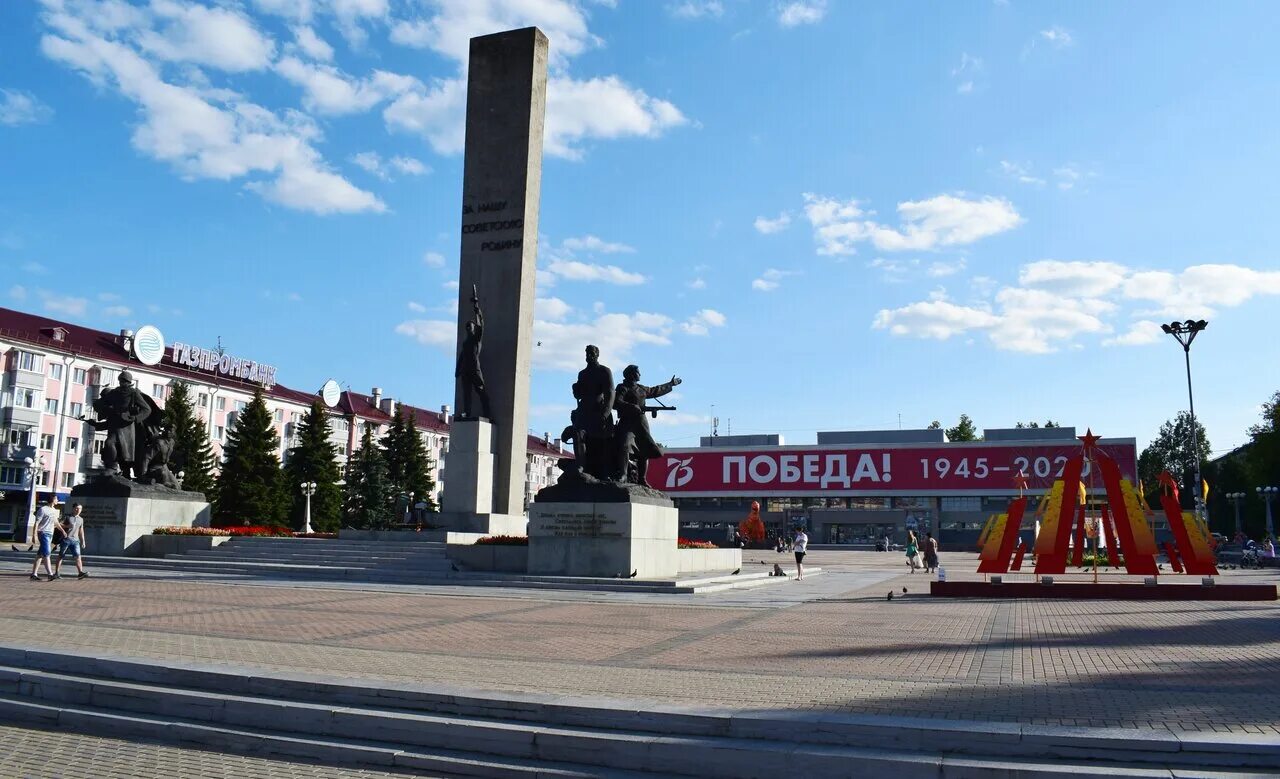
(330, 393)
(148, 345)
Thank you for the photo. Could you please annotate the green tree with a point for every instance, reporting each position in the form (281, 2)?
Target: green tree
(192, 452)
(396, 451)
(418, 466)
(314, 459)
(1036, 425)
(250, 489)
(368, 498)
(1263, 455)
(964, 430)
(934, 425)
(1171, 451)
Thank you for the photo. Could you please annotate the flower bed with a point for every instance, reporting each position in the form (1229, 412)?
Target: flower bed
(242, 530)
(688, 543)
(503, 541)
(315, 535)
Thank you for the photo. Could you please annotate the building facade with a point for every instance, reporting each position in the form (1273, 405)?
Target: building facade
(855, 487)
(52, 371)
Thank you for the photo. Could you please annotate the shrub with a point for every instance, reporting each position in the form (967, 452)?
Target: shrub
(503, 541)
(689, 543)
(240, 530)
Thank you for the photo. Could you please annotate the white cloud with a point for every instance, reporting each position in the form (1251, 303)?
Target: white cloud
(327, 90)
(202, 132)
(383, 169)
(1020, 173)
(18, 107)
(943, 268)
(1057, 37)
(800, 12)
(602, 107)
(967, 72)
(436, 113)
(431, 332)
(574, 270)
(766, 226)
(220, 38)
(943, 220)
(1073, 279)
(592, 244)
(1199, 290)
(456, 22)
(1141, 333)
(551, 309)
(702, 322)
(18, 292)
(65, 305)
(1068, 176)
(698, 283)
(451, 284)
(617, 335)
(117, 311)
(696, 9)
(311, 44)
(417, 308)
(433, 260)
(34, 268)
(933, 319)
(770, 279)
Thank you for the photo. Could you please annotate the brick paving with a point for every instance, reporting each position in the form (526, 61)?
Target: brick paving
(42, 754)
(843, 647)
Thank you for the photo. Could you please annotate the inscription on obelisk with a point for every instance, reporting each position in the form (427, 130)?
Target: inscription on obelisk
(502, 179)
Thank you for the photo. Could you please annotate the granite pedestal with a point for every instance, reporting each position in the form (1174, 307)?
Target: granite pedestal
(466, 505)
(610, 531)
(119, 513)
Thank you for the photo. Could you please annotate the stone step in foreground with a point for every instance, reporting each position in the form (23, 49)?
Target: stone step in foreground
(335, 720)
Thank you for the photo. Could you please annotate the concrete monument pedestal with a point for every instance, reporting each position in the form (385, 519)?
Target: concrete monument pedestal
(621, 531)
(118, 513)
(466, 505)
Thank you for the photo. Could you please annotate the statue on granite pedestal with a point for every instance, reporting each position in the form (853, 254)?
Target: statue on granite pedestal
(633, 441)
(592, 420)
(126, 413)
(156, 454)
(469, 363)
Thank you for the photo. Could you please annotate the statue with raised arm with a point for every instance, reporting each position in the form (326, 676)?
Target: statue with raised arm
(634, 444)
(124, 412)
(468, 370)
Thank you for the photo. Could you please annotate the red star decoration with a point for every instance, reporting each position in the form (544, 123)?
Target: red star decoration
(1020, 480)
(1090, 440)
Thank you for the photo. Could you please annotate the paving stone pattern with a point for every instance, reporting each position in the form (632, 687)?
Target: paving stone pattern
(1189, 666)
(43, 754)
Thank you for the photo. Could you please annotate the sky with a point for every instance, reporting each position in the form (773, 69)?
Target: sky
(820, 215)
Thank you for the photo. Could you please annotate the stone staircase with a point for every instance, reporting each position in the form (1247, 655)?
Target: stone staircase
(464, 733)
(410, 562)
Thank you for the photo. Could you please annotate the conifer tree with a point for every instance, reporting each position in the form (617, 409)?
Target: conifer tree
(314, 459)
(395, 452)
(368, 498)
(192, 451)
(250, 485)
(418, 466)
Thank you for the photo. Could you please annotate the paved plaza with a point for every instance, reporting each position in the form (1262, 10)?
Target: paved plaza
(831, 643)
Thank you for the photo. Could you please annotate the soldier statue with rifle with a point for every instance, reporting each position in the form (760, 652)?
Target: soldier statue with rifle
(633, 441)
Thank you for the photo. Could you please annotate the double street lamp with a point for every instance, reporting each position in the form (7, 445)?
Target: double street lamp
(1268, 494)
(308, 489)
(1186, 332)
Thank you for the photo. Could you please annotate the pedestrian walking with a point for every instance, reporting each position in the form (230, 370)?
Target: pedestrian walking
(46, 523)
(73, 544)
(801, 546)
(913, 551)
(930, 553)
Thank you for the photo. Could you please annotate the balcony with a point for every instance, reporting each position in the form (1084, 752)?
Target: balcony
(16, 453)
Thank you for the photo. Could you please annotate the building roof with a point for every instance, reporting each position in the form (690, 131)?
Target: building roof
(101, 346)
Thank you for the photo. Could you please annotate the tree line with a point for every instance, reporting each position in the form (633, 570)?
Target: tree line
(252, 487)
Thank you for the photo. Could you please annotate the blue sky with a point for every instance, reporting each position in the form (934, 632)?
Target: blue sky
(822, 215)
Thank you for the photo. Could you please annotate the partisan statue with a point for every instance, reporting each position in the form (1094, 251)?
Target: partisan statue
(634, 444)
(468, 370)
(129, 416)
(591, 423)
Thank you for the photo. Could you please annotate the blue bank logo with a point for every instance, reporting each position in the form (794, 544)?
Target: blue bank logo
(148, 345)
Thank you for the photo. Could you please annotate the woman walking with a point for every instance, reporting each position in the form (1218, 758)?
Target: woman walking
(913, 551)
(801, 545)
(930, 553)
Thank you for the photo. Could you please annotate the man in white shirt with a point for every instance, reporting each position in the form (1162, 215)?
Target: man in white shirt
(73, 544)
(46, 523)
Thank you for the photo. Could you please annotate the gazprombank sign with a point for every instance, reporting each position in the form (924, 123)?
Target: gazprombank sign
(211, 360)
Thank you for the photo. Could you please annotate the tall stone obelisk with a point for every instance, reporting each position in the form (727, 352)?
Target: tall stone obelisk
(502, 180)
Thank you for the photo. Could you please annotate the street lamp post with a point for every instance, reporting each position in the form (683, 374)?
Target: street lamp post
(1186, 332)
(1235, 498)
(1269, 494)
(33, 466)
(308, 489)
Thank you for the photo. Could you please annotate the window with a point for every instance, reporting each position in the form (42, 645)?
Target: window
(11, 475)
(55, 371)
(105, 376)
(157, 390)
(342, 450)
(72, 443)
(222, 404)
(51, 406)
(295, 417)
(43, 481)
(279, 415)
(203, 400)
(962, 504)
(77, 409)
(20, 436)
(30, 361)
(869, 504)
(98, 443)
(79, 375)
(218, 432)
(24, 397)
(68, 480)
(46, 442)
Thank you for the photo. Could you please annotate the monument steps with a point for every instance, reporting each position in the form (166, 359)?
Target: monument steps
(512, 734)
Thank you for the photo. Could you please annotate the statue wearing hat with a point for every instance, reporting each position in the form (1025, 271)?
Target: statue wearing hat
(127, 414)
